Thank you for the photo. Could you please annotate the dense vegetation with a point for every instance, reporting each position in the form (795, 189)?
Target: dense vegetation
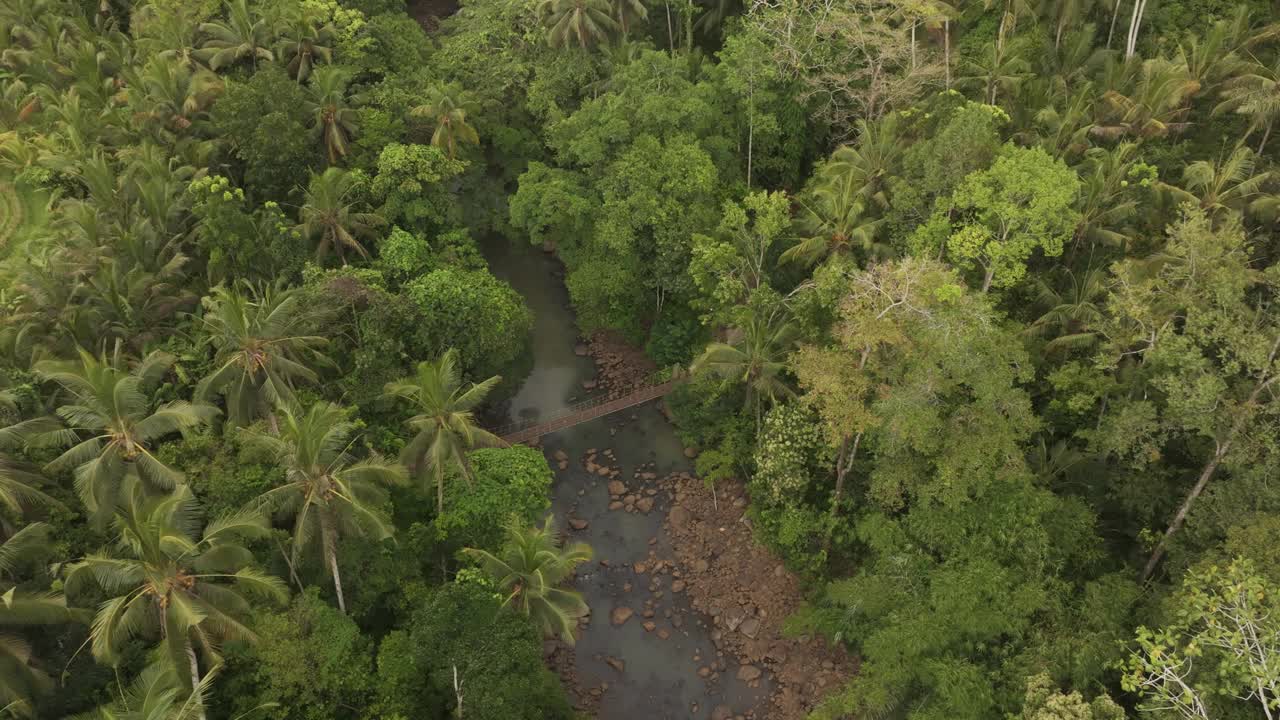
(977, 298)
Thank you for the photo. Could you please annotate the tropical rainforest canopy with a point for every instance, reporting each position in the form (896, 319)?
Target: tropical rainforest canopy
(977, 297)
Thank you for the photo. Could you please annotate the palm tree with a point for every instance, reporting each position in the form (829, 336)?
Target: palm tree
(865, 168)
(586, 22)
(327, 216)
(835, 220)
(628, 12)
(173, 94)
(1229, 183)
(998, 67)
(19, 487)
(303, 44)
(1145, 99)
(1073, 313)
(334, 122)
(445, 426)
(158, 694)
(260, 350)
(20, 678)
(110, 421)
(1106, 202)
(446, 106)
(162, 582)
(529, 569)
(327, 493)
(755, 358)
(242, 36)
(1255, 93)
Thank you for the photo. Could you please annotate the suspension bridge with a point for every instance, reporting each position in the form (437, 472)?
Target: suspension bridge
(591, 409)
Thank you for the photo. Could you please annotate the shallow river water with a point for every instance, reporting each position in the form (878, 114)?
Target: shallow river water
(659, 677)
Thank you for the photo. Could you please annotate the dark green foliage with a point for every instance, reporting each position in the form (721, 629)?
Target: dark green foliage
(311, 659)
(498, 657)
(509, 482)
(223, 474)
(471, 311)
(274, 147)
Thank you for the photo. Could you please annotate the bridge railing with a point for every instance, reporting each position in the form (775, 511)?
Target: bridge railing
(583, 409)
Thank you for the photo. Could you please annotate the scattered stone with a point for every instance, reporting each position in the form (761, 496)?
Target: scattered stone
(663, 634)
(580, 350)
(678, 517)
(704, 672)
(748, 673)
(620, 615)
(644, 504)
(616, 487)
(561, 455)
(650, 626)
(691, 453)
(701, 565)
(677, 586)
(616, 664)
(722, 712)
(750, 627)
(578, 523)
(615, 505)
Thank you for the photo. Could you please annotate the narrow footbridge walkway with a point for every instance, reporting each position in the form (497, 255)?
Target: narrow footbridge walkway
(523, 432)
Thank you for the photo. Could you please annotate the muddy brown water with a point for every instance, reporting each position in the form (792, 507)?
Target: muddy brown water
(659, 678)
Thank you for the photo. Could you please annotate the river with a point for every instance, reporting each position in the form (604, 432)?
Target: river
(658, 677)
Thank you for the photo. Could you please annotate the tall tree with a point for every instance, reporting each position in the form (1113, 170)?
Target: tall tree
(529, 570)
(333, 121)
(446, 107)
(111, 421)
(327, 493)
(328, 216)
(21, 678)
(261, 348)
(444, 427)
(243, 35)
(582, 22)
(754, 357)
(167, 579)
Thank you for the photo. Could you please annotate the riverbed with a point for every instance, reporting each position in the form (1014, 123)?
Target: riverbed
(646, 667)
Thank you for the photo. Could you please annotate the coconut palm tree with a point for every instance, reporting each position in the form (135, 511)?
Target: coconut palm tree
(1144, 99)
(328, 217)
(327, 493)
(158, 694)
(865, 168)
(754, 357)
(303, 44)
(584, 22)
(261, 349)
(1072, 313)
(1229, 183)
(244, 35)
(172, 94)
(446, 107)
(444, 426)
(21, 678)
(20, 487)
(333, 120)
(167, 581)
(529, 570)
(835, 219)
(998, 67)
(110, 420)
(629, 12)
(1255, 93)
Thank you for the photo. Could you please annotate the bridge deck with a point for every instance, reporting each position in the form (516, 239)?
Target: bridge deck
(583, 412)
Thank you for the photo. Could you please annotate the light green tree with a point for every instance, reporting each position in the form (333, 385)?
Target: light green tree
(1023, 203)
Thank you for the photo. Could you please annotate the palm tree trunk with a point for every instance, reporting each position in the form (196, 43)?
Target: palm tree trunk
(1115, 15)
(1212, 466)
(946, 48)
(986, 281)
(195, 677)
(751, 132)
(671, 35)
(1135, 23)
(913, 45)
(330, 543)
(1266, 134)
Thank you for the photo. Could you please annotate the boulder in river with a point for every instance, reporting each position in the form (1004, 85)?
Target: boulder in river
(621, 614)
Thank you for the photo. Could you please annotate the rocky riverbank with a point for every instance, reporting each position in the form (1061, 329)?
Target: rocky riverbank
(727, 583)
